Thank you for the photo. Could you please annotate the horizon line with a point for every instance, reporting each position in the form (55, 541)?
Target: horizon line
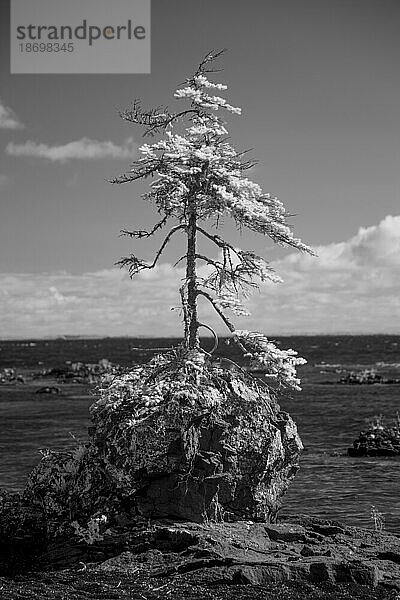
(175, 337)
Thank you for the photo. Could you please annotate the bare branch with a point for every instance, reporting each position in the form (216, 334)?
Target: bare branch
(141, 233)
(239, 277)
(218, 241)
(179, 260)
(158, 119)
(154, 119)
(136, 265)
(219, 266)
(137, 349)
(209, 57)
(210, 352)
(133, 264)
(185, 309)
(225, 319)
(140, 169)
(147, 117)
(165, 242)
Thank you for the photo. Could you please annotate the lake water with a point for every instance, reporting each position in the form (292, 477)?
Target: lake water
(329, 417)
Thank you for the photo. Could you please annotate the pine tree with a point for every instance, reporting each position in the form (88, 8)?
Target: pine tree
(198, 177)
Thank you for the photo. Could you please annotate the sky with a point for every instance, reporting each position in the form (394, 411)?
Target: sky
(319, 85)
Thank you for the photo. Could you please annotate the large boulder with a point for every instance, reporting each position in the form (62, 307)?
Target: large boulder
(177, 438)
(219, 449)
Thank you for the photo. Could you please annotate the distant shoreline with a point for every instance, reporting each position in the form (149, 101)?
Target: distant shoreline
(166, 337)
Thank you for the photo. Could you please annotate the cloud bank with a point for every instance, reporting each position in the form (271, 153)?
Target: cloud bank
(8, 118)
(351, 287)
(83, 149)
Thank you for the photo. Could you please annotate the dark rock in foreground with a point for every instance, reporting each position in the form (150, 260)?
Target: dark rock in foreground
(188, 560)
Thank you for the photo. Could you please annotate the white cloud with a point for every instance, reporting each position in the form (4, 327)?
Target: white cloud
(106, 302)
(353, 287)
(83, 149)
(8, 119)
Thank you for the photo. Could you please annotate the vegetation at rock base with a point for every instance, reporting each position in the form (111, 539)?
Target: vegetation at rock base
(377, 518)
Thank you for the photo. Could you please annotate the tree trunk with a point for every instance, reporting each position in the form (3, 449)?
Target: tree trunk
(192, 338)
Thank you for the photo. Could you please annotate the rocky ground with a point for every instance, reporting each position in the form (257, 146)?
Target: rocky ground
(305, 558)
(118, 585)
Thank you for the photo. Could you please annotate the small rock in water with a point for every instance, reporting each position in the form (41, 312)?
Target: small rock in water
(378, 439)
(48, 389)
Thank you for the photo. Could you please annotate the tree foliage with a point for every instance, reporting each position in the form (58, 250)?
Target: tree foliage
(198, 177)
